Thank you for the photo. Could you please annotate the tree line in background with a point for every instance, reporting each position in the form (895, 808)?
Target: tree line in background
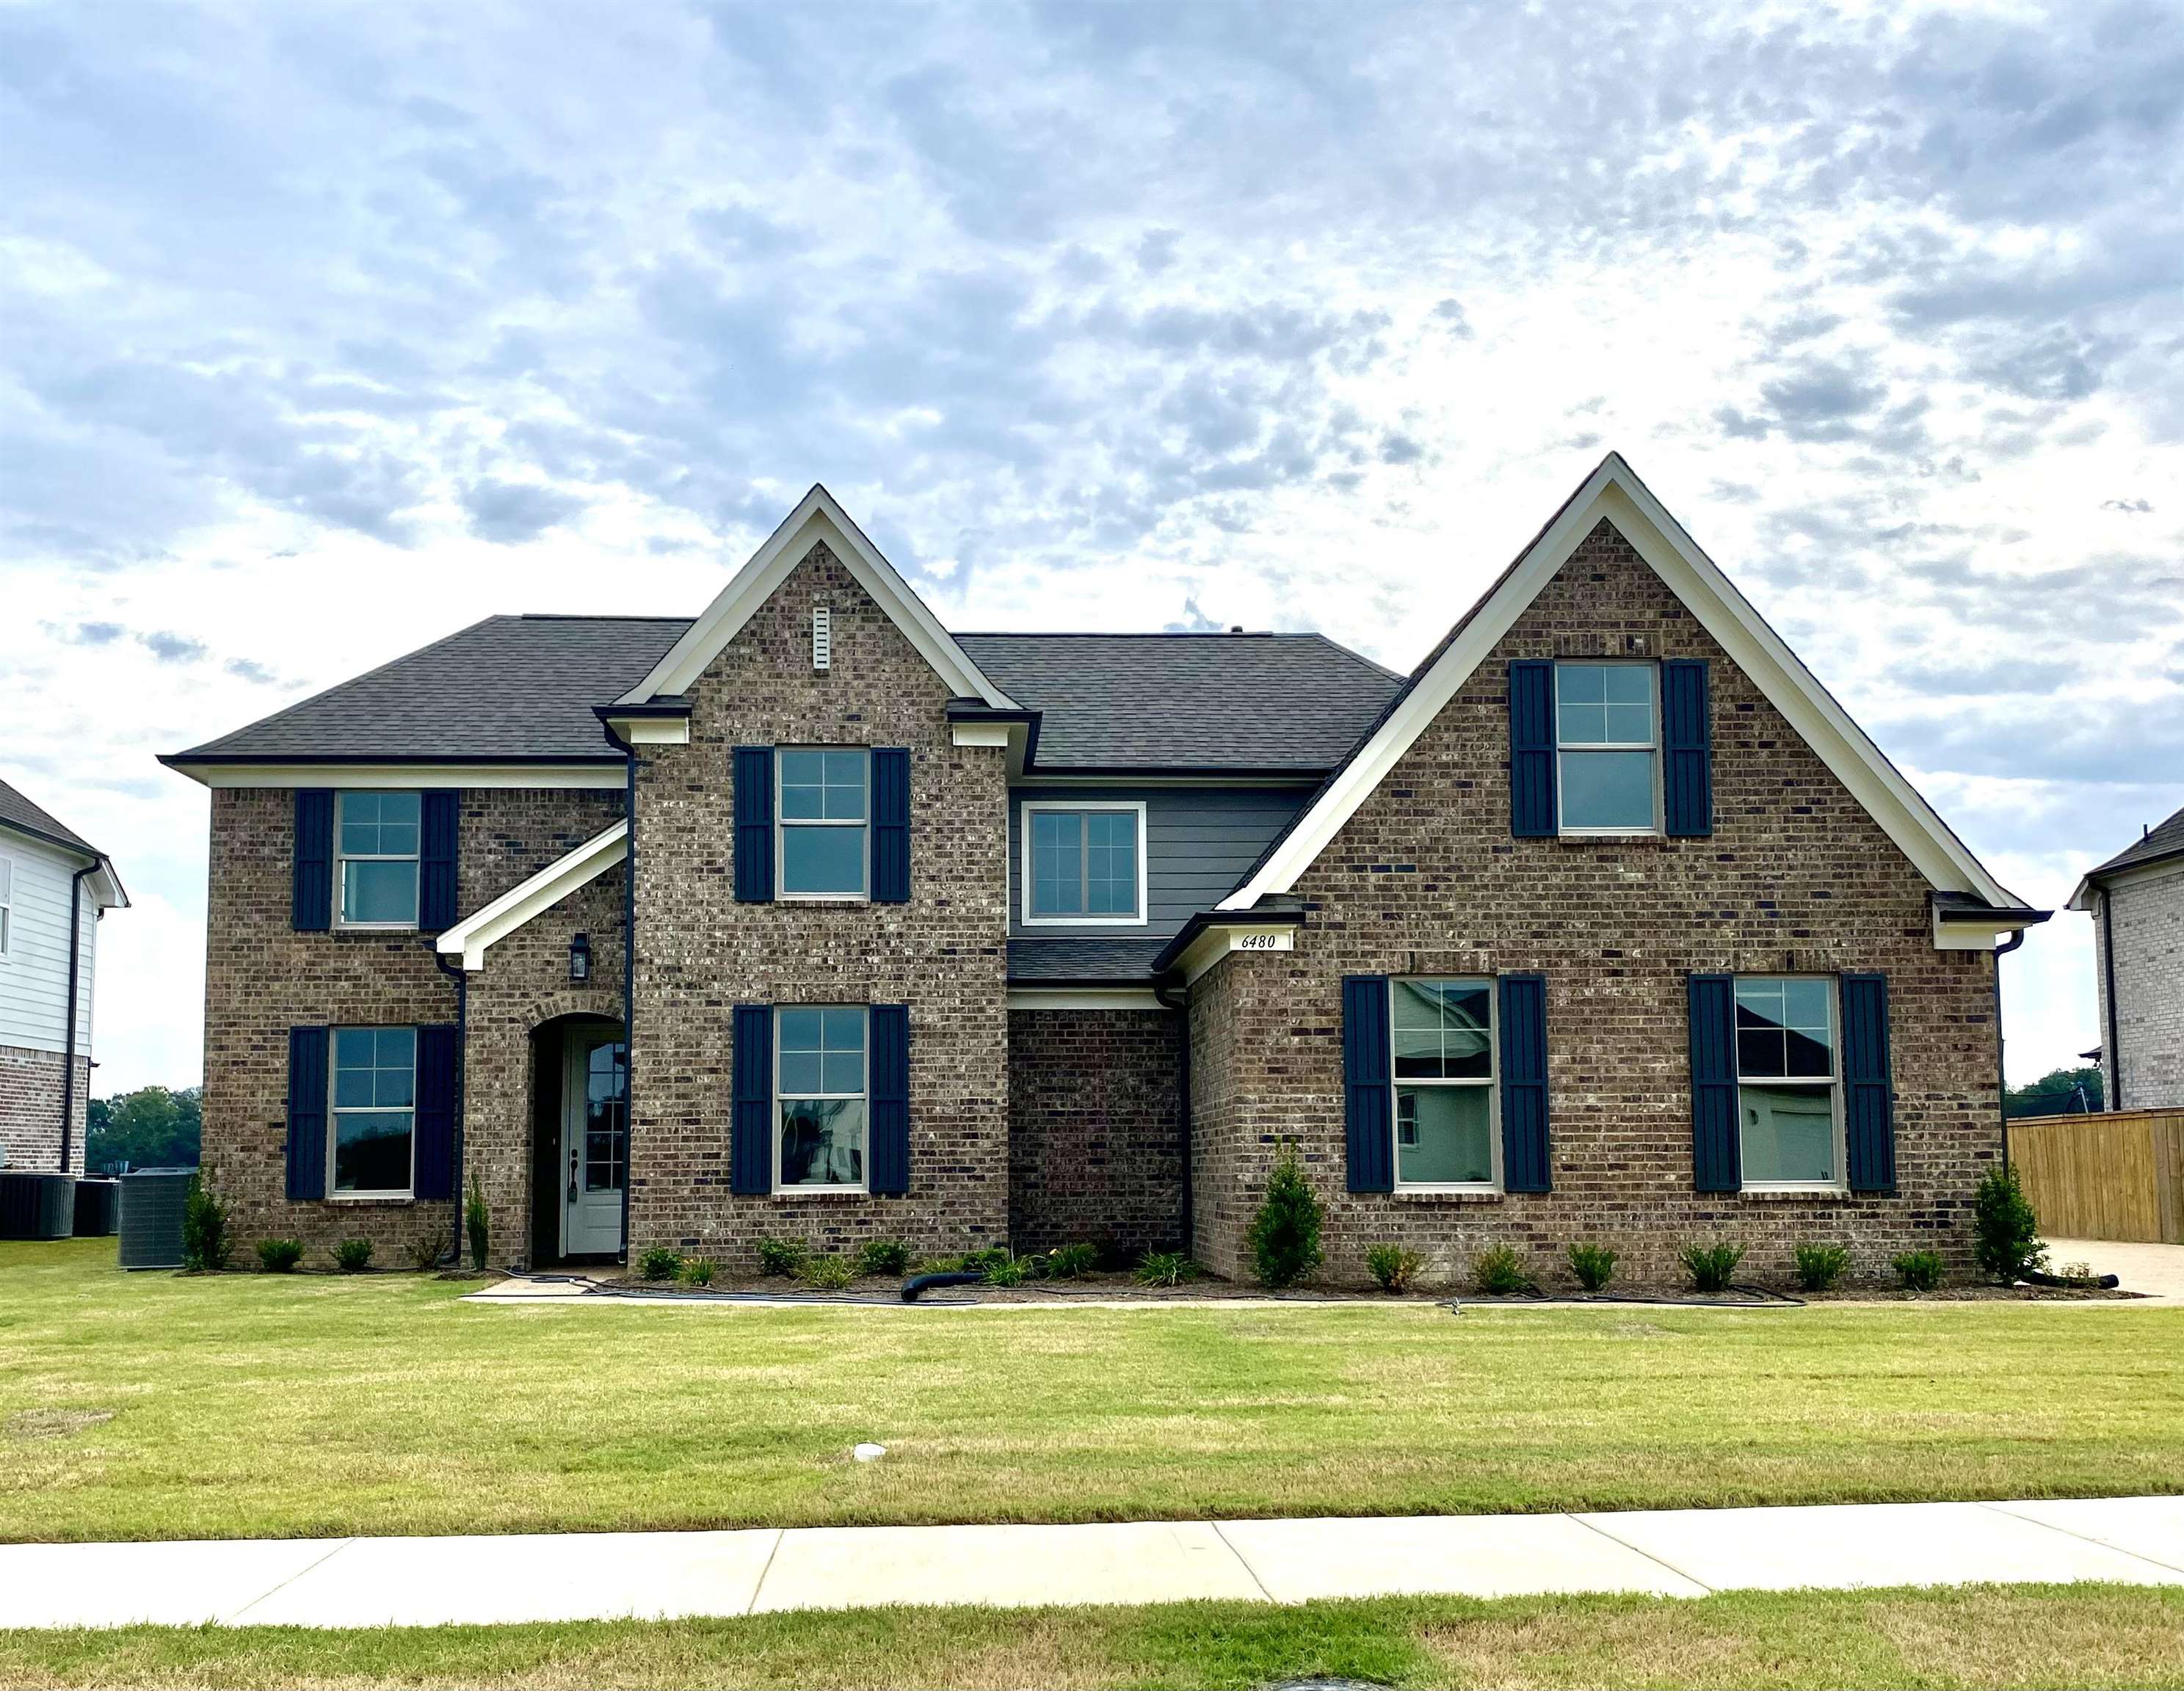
(2059, 1092)
(152, 1127)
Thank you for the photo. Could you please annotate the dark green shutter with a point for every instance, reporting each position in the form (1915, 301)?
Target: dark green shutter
(1869, 1090)
(1687, 743)
(306, 1114)
(1531, 749)
(890, 827)
(441, 811)
(1525, 1163)
(753, 801)
(750, 1133)
(1716, 1160)
(1368, 1098)
(434, 1171)
(889, 1171)
(311, 888)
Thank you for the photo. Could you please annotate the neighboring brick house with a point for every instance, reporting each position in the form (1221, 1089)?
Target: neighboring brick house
(54, 887)
(2137, 902)
(1605, 923)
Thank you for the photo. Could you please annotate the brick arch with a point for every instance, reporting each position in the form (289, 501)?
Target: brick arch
(582, 1001)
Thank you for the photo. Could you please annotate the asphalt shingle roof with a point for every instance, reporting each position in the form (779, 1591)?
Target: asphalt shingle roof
(2165, 840)
(1075, 961)
(17, 812)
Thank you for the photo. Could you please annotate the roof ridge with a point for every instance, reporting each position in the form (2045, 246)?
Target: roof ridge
(584, 616)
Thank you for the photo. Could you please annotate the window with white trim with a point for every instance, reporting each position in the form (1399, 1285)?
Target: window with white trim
(376, 835)
(375, 1111)
(1444, 1064)
(819, 1091)
(1084, 863)
(1607, 749)
(822, 816)
(7, 906)
(1788, 1100)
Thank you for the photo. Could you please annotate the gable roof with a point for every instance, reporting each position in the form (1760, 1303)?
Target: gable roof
(1614, 491)
(2156, 845)
(19, 815)
(470, 938)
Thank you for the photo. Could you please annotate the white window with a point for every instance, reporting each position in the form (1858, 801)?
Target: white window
(377, 834)
(1789, 1124)
(820, 817)
(819, 1096)
(7, 906)
(1084, 863)
(1447, 1105)
(375, 1082)
(1607, 749)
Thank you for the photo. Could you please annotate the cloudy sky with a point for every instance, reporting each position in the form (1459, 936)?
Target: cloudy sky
(327, 329)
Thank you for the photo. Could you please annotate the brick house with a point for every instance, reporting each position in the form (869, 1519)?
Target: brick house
(808, 918)
(2136, 901)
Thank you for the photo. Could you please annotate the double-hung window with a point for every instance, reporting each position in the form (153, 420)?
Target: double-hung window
(7, 905)
(375, 1082)
(823, 818)
(820, 1087)
(377, 834)
(1788, 1116)
(1443, 1069)
(1084, 863)
(1607, 749)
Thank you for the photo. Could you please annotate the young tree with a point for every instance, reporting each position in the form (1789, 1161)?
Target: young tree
(1285, 1232)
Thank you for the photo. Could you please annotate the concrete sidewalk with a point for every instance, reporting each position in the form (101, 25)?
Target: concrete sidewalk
(606, 1576)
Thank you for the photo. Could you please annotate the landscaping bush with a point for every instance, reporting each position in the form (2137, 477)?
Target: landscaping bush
(1068, 1262)
(2077, 1273)
(782, 1257)
(1285, 1232)
(1818, 1267)
(1166, 1268)
(205, 1243)
(353, 1256)
(473, 1221)
(696, 1271)
(1006, 1271)
(829, 1273)
(424, 1255)
(2005, 1232)
(1920, 1270)
(1394, 1269)
(1710, 1266)
(1593, 1265)
(883, 1256)
(279, 1256)
(1501, 1272)
(660, 1263)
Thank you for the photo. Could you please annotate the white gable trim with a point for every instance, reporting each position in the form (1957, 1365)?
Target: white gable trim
(471, 936)
(817, 517)
(1613, 491)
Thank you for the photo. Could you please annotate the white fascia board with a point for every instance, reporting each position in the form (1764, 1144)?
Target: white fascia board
(817, 517)
(1614, 491)
(652, 731)
(601, 777)
(471, 937)
(1084, 997)
(1962, 930)
(2153, 868)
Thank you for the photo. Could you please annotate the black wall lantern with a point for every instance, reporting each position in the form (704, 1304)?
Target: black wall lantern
(580, 957)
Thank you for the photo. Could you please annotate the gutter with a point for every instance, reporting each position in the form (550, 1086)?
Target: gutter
(68, 1060)
(462, 980)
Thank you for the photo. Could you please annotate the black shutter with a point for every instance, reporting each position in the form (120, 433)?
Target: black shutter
(1717, 1163)
(890, 827)
(1368, 1098)
(434, 1171)
(1687, 743)
(441, 808)
(306, 1114)
(889, 1171)
(311, 890)
(1531, 749)
(1524, 1165)
(754, 799)
(1869, 1090)
(750, 1134)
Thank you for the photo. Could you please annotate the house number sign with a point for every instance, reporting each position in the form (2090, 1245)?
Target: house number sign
(1270, 939)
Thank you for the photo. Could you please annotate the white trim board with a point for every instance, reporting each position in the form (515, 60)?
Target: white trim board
(471, 936)
(817, 517)
(602, 778)
(1613, 491)
(1085, 998)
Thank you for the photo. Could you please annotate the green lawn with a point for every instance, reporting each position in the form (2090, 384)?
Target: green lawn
(159, 1406)
(2048, 1636)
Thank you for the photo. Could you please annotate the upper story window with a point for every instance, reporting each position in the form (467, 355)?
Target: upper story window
(822, 817)
(1084, 863)
(1442, 1031)
(7, 906)
(1788, 1119)
(375, 1081)
(819, 1089)
(376, 834)
(1606, 747)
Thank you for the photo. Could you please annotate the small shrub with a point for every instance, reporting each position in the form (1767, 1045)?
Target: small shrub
(1285, 1232)
(1593, 1265)
(1395, 1268)
(696, 1271)
(1920, 1270)
(1166, 1268)
(353, 1256)
(1500, 1272)
(829, 1273)
(2079, 1273)
(2005, 1232)
(279, 1256)
(883, 1256)
(1069, 1262)
(660, 1263)
(783, 1257)
(205, 1242)
(1818, 1267)
(475, 1218)
(424, 1255)
(1710, 1266)
(1009, 1271)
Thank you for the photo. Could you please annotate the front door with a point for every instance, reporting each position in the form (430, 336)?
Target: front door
(594, 1142)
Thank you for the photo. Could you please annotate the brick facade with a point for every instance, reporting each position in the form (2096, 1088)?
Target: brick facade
(30, 1087)
(1426, 879)
(2144, 919)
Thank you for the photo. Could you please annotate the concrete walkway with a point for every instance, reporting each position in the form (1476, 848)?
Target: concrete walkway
(2155, 1272)
(605, 1576)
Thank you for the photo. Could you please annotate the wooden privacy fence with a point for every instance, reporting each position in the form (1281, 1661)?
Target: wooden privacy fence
(2115, 1175)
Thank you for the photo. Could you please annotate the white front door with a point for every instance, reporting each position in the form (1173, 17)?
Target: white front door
(594, 1142)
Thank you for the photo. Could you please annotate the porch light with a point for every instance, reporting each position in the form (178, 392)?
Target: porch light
(580, 957)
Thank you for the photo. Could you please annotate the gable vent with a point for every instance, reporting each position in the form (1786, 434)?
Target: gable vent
(823, 637)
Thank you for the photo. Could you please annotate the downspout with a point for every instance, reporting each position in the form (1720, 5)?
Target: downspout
(462, 980)
(68, 1058)
(2114, 1100)
(2001, 1075)
(628, 987)
(1181, 1005)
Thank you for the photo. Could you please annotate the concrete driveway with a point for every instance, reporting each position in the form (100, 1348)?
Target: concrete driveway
(2155, 1270)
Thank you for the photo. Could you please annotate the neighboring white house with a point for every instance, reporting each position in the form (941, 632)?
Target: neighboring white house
(47, 870)
(2136, 901)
